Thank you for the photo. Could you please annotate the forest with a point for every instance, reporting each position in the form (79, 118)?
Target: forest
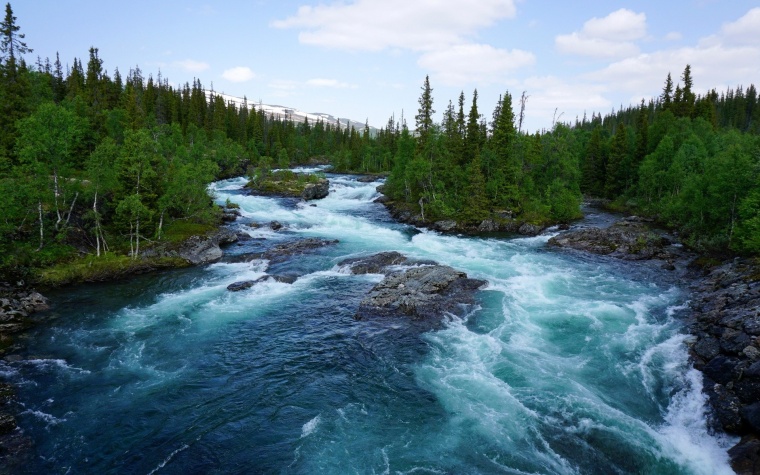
(96, 164)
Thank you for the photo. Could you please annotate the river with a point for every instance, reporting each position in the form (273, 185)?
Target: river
(570, 363)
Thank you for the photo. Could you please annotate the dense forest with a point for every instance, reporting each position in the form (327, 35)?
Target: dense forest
(690, 161)
(96, 164)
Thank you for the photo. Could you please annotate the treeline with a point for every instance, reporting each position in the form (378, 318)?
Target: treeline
(470, 169)
(91, 162)
(691, 161)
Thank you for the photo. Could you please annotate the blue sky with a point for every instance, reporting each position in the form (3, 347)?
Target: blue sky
(367, 59)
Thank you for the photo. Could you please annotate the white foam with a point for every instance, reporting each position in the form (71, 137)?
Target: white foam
(310, 426)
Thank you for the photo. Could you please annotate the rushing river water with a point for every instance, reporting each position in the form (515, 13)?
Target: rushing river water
(569, 364)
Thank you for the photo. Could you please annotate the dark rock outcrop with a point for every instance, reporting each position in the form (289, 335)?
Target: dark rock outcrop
(316, 191)
(629, 239)
(247, 284)
(725, 317)
(425, 294)
(15, 307)
(283, 251)
(375, 264)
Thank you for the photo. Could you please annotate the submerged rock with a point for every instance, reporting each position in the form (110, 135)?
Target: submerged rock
(247, 284)
(375, 264)
(282, 251)
(422, 293)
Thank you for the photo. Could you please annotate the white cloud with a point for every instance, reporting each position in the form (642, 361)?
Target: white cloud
(711, 66)
(239, 74)
(191, 65)
(550, 95)
(334, 83)
(673, 36)
(369, 25)
(474, 63)
(745, 30)
(441, 32)
(610, 37)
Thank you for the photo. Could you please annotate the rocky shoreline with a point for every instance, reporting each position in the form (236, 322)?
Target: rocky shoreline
(17, 304)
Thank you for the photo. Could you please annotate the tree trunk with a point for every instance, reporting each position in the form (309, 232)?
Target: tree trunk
(42, 226)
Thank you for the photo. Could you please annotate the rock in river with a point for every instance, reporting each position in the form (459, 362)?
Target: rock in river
(422, 293)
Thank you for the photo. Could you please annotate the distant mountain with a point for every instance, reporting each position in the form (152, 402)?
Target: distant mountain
(291, 113)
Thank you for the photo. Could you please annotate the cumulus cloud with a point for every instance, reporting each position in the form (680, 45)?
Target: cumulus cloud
(727, 58)
(610, 37)
(474, 63)
(440, 32)
(673, 36)
(551, 98)
(368, 25)
(239, 74)
(745, 30)
(334, 83)
(191, 65)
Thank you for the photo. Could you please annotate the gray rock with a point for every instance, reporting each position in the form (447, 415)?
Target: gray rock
(275, 225)
(488, 226)
(631, 240)
(206, 249)
(316, 191)
(446, 225)
(726, 407)
(708, 348)
(527, 229)
(751, 414)
(247, 284)
(422, 293)
(745, 456)
(281, 252)
(375, 264)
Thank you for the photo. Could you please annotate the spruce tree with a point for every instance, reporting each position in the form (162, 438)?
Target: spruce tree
(11, 44)
(424, 117)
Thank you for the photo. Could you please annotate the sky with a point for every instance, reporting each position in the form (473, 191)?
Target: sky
(367, 59)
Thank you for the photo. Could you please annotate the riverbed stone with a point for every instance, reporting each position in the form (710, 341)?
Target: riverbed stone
(374, 264)
(421, 293)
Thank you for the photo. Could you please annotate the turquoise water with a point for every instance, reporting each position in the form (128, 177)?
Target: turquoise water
(568, 364)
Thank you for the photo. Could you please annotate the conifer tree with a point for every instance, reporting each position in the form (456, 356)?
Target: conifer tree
(667, 93)
(424, 117)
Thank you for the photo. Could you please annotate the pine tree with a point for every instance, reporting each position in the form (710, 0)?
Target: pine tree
(667, 93)
(11, 44)
(473, 139)
(424, 117)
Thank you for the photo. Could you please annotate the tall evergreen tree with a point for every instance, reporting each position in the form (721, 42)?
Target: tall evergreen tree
(424, 117)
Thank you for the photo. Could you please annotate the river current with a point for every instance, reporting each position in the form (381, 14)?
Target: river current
(570, 363)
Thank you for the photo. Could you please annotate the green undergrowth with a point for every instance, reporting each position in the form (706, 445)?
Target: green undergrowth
(108, 266)
(282, 182)
(180, 231)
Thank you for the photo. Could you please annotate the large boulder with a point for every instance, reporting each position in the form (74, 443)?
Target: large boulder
(206, 249)
(316, 191)
(425, 293)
